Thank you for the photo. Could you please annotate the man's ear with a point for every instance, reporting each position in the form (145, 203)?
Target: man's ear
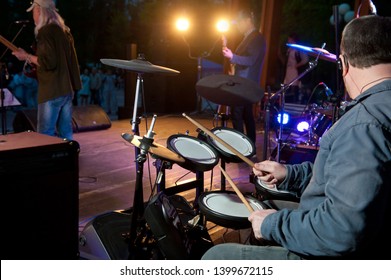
(344, 64)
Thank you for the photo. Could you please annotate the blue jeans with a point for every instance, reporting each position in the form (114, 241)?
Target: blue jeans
(55, 117)
(235, 251)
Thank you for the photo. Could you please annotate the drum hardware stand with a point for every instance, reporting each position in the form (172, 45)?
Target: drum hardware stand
(224, 118)
(311, 134)
(137, 226)
(140, 238)
(281, 94)
(197, 183)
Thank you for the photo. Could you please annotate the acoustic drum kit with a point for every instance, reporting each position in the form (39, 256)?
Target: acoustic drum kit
(199, 154)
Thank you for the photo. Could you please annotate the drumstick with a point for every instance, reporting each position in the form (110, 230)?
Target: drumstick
(221, 141)
(238, 192)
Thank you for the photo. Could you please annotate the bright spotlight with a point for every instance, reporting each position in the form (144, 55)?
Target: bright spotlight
(303, 126)
(222, 25)
(182, 24)
(285, 118)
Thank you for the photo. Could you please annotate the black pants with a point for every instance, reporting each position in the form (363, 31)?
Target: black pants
(95, 98)
(242, 116)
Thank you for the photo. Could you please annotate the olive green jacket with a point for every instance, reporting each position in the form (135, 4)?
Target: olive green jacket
(58, 71)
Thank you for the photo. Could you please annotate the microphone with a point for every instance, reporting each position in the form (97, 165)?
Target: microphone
(150, 132)
(327, 90)
(7, 75)
(321, 94)
(25, 21)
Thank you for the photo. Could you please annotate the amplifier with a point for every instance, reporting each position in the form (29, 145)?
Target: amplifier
(40, 192)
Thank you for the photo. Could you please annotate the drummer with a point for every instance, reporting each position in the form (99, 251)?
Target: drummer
(345, 207)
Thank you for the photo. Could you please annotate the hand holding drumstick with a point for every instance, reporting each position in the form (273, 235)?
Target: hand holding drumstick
(256, 217)
(238, 192)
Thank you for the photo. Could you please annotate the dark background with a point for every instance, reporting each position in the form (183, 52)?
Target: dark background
(104, 29)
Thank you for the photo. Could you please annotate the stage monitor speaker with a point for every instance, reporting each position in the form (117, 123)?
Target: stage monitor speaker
(84, 118)
(39, 202)
(91, 117)
(294, 154)
(105, 237)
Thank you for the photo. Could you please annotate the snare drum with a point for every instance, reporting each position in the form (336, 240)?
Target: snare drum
(198, 155)
(235, 139)
(266, 193)
(321, 123)
(224, 208)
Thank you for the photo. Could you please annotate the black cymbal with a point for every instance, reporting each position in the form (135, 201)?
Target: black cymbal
(229, 90)
(139, 66)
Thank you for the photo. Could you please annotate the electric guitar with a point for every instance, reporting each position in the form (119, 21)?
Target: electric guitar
(29, 70)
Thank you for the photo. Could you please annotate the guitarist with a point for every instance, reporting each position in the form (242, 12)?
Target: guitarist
(57, 70)
(248, 61)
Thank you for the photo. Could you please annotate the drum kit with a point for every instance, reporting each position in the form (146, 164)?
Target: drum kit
(319, 122)
(202, 153)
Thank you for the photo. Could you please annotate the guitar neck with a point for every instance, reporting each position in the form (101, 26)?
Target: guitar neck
(8, 44)
(224, 41)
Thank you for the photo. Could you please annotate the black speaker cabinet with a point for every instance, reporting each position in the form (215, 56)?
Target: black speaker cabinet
(39, 200)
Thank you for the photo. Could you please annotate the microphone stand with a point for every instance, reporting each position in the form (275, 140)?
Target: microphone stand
(2, 98)
(267, 125)
(13, 40)
(339, 86)
(2, 94)
(281, 94)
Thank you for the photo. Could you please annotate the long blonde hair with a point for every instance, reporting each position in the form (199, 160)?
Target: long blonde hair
(49, 15)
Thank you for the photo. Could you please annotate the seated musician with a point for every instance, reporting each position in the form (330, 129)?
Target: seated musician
(345, 203)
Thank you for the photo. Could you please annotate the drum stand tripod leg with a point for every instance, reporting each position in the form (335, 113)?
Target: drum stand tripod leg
(224, 119)
(223, 180)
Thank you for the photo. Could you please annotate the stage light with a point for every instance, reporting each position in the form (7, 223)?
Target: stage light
(285, 118)
(182, 24)
(222, 25)
(303, 126)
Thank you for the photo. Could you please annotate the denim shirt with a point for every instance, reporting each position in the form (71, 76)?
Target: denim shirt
(345, 203)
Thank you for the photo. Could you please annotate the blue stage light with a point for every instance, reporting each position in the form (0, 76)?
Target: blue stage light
(285, 118)
(303, 126)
